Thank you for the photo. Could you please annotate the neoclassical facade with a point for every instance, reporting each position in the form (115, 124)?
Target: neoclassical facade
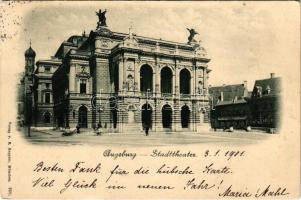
(123, 81)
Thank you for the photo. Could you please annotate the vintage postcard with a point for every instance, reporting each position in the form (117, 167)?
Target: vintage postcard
(150, 100)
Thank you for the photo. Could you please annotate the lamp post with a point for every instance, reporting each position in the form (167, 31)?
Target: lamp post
(100, 109)
(147, 93)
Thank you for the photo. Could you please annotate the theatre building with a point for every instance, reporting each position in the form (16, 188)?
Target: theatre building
(123, 81)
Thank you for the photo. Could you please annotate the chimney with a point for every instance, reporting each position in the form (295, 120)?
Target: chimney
(222, 96)
(245, 84)
(235, 99)
(272, 75)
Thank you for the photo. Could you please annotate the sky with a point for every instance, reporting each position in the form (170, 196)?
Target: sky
(244, 40)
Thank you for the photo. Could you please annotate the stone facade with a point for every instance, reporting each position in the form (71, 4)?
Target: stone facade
(43, 93)
(123, 81)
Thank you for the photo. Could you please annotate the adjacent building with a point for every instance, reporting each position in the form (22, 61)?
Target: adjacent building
(229, 107)
(265, 103)
(233, 106)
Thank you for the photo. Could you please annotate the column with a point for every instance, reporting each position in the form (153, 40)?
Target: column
(72, 73)
(157, 79)
(177, 79)
(194, 79)
(192, 84)
(173, 82)
(120, 69)
(78, 85)
(137, 76)
(88, 86)
(40, 96)
(205, 80)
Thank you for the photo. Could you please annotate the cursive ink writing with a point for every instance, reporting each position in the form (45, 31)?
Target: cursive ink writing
(80, 169)
(43, 182)
(157, 187)
(210, 170)
(55, 168)
(173, 170)
(268, 192)
(191, 184)
(177, 153)
(230, 193)
(117, 171)
(78, 185)
(123, 154)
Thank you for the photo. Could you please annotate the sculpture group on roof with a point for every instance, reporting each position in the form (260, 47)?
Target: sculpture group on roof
(101, 18)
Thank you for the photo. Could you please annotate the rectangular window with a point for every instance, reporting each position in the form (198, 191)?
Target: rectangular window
(83, 86)
(47, 85)
(47, 68)
(47, 97)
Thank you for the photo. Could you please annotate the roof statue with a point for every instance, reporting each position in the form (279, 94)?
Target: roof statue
(101, 18)
(192, 33)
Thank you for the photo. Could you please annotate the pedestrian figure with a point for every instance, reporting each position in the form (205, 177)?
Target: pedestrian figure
(146, 128)
(77, 129)
(99, 129)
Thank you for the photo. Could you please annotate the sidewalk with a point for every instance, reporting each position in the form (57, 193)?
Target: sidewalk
(89, 137)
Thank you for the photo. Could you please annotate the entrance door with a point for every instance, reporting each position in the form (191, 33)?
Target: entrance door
(131, 117)
(166, 116)
(82, 117)
(113, 108)
(146, 115)
(185, 114)
(201, 117)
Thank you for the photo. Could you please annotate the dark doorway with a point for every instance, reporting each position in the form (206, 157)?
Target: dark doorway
(185, 114)
(146, 115)
(185, 81)
(113, 108)
(146, 78)
(47, 117)
(166, 116)
(83, 117)
(166, 80)
(116, 78)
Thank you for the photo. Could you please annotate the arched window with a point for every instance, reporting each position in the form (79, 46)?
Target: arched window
(146, 78)
(47, 117)
(185, 81)
(166, 80)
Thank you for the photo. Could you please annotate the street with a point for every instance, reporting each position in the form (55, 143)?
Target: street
(51, 137)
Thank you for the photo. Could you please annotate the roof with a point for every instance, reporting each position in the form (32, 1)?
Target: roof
(238, 101)
(270, 86)
(50, 61)
(227, 93)
(30, 52)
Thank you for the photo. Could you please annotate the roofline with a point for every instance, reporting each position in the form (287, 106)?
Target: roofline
(241, 84)
(156, 40)
(53, 61)
(231, 103)
(64, 43)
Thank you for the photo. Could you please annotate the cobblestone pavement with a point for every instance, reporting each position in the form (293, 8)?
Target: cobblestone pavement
(51, 137)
